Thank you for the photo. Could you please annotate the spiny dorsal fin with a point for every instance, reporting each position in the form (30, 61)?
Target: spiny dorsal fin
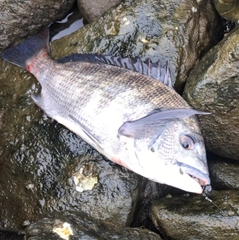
(154, 70)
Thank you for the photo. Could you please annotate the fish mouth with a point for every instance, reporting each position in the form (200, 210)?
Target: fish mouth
(200, 177)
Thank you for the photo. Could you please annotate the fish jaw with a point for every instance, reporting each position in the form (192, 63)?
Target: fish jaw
(175, 176)
(202, 178)
(168, 168)
(189, 181)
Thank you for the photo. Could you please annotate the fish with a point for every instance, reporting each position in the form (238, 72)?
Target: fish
(131, 118)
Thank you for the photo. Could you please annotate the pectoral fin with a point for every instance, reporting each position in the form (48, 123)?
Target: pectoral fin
(155, 122)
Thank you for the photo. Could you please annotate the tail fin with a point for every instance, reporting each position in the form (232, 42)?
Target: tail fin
(19, 54)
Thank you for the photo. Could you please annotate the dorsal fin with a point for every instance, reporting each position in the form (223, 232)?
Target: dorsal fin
(154, 70)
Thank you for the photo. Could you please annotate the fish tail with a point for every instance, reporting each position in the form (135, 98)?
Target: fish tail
(19, 54)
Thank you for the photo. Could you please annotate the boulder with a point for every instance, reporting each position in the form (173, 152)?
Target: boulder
(92, 10)
(192, 217)
(74, 226)
(19, 19)
(170, 31)
(228, 9)
(223, 172)
(212, 86)
(45, 167)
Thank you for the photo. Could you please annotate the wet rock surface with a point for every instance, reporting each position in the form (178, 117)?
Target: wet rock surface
(92, 10)
(45, 167)
(151, 192)
(192, 217)
(79, 226)
(223, 172)
(19, 19)
(17, 202)
(11, 235)
(213, 87)
(177, 32)
(228, 9)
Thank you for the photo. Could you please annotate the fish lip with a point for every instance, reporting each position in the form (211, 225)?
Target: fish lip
(202, 178)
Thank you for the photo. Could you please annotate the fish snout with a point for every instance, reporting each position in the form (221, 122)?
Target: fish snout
(202, 178)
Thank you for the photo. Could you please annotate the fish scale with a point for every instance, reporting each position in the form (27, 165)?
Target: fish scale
(130, 118)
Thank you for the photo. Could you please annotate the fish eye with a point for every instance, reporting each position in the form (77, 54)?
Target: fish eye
(187, 142)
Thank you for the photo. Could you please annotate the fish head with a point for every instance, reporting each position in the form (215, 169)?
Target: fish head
(175, 156)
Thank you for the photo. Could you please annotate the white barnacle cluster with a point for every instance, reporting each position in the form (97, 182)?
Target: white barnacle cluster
(63, 230)
(84, 183)
(126, 21)
(194, 9)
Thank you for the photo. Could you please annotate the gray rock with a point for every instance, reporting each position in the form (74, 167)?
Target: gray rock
(228, 9)
(92, 10)
(192, 217)
(223, 172)
(45, 167)
(150, 192)
(173, 31)
(19, 19)
(213, 87)
(75, 226)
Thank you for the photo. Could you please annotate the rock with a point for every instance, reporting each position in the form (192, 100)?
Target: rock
(66, 26)
(212, 86)
(19, 19)
(16, 202)
(228, 9)
(173, 31)
(11, 235)
(45, 167)
(92, 10)
(74, 226)
(150, 192)
(223, 172)
(195, 218)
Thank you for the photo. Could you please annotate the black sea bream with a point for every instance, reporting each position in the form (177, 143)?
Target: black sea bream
(132, 119)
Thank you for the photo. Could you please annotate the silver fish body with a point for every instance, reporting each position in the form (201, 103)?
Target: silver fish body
(132, 119)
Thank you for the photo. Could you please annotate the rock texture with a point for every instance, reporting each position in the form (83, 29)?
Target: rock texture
(228, 9)
(19, 19)
(75, 226)
(195, 218)
(92, 10)
(173, 31)
(46, 170)
(223, 172)
(213, 87)
(45, 167)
